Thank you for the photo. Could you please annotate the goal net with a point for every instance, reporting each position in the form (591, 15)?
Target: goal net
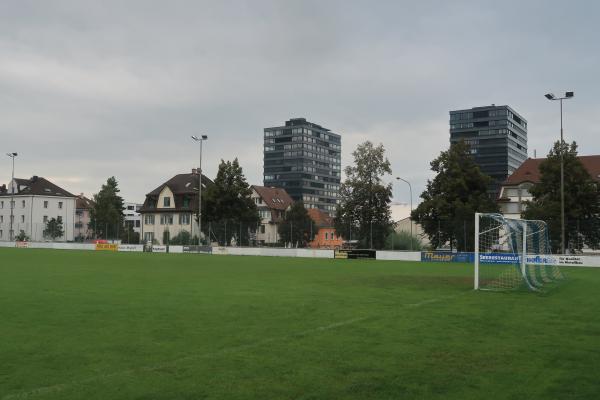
(502, 246)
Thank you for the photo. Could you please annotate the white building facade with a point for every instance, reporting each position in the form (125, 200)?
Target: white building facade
(133, 216)
(272, 204)
(36, 201)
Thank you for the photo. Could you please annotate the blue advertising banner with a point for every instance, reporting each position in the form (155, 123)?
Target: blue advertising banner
(499, 258)
(446, 256)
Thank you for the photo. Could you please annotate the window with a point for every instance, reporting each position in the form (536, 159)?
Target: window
(166, 202)
(166, 219)
(149, 237)
(60, 205)
(46, 204)
(1, 219)
(22, 219)
(1, 233)
(137, 223)
(59, 218)
(45, 218)
(130, 207)
(184, 219)
(22, 203)
(262, 229)
(2, 204)
(149, 219)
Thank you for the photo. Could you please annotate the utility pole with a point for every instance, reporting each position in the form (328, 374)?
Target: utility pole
(12, 196)
(200, 140)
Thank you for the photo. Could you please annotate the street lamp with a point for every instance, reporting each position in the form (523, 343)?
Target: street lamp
(200, 140)
(411, 208)
(552, 97)
(12, 196)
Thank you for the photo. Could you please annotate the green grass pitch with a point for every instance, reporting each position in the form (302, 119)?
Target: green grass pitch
(101, 325)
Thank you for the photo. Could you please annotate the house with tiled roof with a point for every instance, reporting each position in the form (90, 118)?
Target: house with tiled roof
(172, 207)
(36, 201)
(272, 203)
(83, 207)
(515, 190)
(326, 236)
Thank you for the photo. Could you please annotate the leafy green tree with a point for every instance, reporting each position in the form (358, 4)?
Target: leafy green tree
(403, 241)
(451, 199)
(582, 200)
(230, 211)
(53, 229)
(106, 216)
(364, 211)
(129, 235)
(297, 227)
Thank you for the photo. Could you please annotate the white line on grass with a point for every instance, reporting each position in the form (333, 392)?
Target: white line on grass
(63, 386)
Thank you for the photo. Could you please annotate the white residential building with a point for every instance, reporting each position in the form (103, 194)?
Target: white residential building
(36, 201)
(271, 203)
(133, 216)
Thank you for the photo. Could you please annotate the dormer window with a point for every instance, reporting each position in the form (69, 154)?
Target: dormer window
(166, 202)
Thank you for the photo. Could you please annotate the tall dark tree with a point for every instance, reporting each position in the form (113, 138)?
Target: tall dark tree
(364, 211)
(230, 211)
(53, 229)
(582, 200)
(297, 227)
(451, 199)
(106, 216)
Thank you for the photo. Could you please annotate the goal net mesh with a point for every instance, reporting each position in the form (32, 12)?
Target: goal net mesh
(502, 251)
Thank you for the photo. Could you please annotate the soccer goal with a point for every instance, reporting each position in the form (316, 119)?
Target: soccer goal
(502, 246)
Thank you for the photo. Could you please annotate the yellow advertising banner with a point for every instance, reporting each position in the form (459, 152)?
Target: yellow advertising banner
(107, 246)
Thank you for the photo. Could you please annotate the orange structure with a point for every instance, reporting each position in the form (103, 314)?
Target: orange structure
(326, 237)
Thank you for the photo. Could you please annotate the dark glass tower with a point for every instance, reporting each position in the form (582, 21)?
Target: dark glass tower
(305, 159)
(497, 136)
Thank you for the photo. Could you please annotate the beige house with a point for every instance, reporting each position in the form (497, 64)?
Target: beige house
(271, 203)
(404, 225)
(172, 208)
(515, 190)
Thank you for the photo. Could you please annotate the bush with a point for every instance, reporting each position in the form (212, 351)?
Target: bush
(22, 237)
(402, 241)
(182, 238)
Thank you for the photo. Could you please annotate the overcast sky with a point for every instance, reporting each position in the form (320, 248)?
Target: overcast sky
(100, 88)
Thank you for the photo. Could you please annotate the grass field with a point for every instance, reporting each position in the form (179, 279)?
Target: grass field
(92, 325)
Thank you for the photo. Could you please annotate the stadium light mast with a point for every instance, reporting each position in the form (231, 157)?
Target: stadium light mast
(200, 140)
(12, 195)
(411, 209)
(552, 97)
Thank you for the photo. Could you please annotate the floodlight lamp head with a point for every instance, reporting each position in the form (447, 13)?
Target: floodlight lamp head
(204, 137)
(195, 138)
(550, 96)
(568, 95)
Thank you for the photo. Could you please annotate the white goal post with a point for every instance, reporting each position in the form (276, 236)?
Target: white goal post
(502, 246)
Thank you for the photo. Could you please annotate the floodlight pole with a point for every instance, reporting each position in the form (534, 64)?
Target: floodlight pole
(12, 195)
(551, 96)
(200, 140)
(411, 209)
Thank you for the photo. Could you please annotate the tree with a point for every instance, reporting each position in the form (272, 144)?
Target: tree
(106, 215)
(297, 227)
(53, 229)
(22, 237)
(129, 235)
(230, 210)
(364, 211)
(582, 200)
(182, 238)
(451, 199)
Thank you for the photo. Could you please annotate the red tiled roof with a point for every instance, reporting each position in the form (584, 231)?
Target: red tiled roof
(83, 203)
(529, 171)
(321, 218)
(274, 198)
